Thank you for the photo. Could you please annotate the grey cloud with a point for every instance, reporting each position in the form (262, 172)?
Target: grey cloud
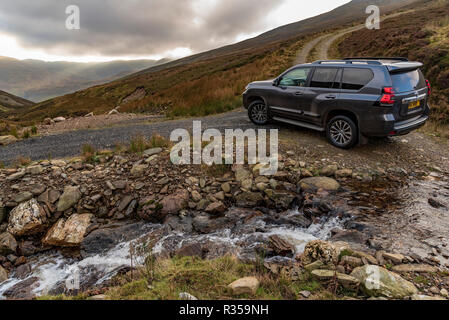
(131, 27)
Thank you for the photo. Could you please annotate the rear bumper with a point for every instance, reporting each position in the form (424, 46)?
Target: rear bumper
(387, 125)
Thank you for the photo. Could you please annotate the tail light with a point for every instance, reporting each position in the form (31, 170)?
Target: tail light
(429, 88)
(387, 96)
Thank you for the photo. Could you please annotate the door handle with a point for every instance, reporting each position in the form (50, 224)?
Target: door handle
(299, 93)
(331, 96)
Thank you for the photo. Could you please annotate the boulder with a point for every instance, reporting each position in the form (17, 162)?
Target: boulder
(325, 183)
(377, 281)
(248, 285)
(395, 258)
(319, 250)
(68, 232)
(16, 176)
(33, 170)
(241, 174)
(26, 219)
(5, 140)
(8, 244)
(69, 198)
(22, 196)
(174, 203)
(343, 173)
(3, 274)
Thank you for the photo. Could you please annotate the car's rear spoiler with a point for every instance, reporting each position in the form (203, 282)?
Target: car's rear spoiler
(404, 67)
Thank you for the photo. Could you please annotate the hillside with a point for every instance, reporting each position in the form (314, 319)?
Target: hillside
(9, 102)
(421, 36)
(209, 82)
(39, 80)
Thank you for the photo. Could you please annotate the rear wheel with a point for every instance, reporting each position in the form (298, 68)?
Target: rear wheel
(342, 132)
(258, 113)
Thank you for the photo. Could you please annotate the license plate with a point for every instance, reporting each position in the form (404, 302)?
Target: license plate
(414, 104)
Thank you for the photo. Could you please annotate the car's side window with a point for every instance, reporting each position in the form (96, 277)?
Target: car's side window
(324, 78)
(295, 78)
(356, 78)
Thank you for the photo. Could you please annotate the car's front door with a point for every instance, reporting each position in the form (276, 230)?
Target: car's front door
(286, 100)
(322, 92)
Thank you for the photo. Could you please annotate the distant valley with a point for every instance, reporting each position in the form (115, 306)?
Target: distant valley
(38, 81)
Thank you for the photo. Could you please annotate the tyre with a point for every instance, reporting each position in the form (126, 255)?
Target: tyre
(342, 132)
(258, 113)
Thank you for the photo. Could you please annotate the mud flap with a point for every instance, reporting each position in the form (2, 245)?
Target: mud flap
(362, 140)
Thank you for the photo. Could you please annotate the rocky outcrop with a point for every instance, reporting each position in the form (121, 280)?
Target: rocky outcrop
(68, 232)
(26, 219)
(377, 281)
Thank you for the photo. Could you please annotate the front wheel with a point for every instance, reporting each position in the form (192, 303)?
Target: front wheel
(258, 113)
(342, 132)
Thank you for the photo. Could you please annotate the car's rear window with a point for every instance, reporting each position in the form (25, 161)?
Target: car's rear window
(355, 78)
(408, 81)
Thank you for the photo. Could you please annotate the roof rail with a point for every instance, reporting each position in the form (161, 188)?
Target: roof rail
(345, 61)
(378, 58)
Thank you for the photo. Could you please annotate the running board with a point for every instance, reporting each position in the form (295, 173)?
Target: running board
(299, 124)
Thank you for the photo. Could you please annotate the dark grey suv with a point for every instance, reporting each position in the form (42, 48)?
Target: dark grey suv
(349, 99)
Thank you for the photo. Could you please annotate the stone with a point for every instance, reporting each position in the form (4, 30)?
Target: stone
(68, 232)
(330, 170)
(226, 187)
(152, 152)
(5, 140)
(352, 261)
(344, 279)
(314, 265)
(16, 176)
(247, 285)
(395, 258)
(344, 173)
(22, 197)
(249, 199)
(220, 196)
(34, 170)
(247, 184)
(174, 203)
(196, 196)
(187, 296)
(59, 119)
(38, 189)
(120, 184)
(138, 170)
(363, 255)
(319, 183)
(2, 214)
(444, 293)
(58, 163)
(422, 297)
(241, 174)
(69, 198)
(98, 297)
(306, 294)
(281, 198)
(26, 219)
(125, 202)
(377, 281)
(419, 268)
(3, 274)
(320, 250)
(8, 244)
(216, 208)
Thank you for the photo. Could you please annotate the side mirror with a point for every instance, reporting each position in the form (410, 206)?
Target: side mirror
(276, 82)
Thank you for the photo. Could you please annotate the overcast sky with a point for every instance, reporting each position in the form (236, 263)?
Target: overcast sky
(136, 29)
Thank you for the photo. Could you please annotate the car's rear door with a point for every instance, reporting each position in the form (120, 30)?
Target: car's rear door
(410, 91)
(322, 92)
